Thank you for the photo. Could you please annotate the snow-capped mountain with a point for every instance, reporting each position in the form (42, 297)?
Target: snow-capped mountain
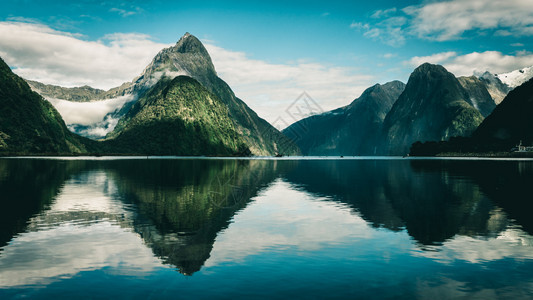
(516, 77)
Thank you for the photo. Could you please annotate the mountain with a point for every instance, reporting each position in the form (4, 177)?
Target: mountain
(478, 94)
(178, 117)
(189, 57)
(433, 107)
(28, 123)
(512, 120)
(350, 130)
(77, 94)
(508, 125)
(517, 77)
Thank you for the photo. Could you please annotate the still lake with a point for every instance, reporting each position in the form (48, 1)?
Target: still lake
(266, 228)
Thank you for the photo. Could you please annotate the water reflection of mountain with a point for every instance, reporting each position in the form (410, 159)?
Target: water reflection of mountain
(182, 205)
(27, 187)
(506, 183)
(433, 200)
(176, 206)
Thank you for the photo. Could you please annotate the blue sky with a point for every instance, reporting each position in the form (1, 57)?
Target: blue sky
(268, 51)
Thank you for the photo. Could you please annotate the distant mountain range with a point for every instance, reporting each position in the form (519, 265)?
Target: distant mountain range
(387, 119)
(348, 130)
(179, 106)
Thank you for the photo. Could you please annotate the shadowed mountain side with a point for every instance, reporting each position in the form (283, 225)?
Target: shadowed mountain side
(509, 124)
(435, 207)
(433, 107)
(351, 130)
(188, 202)
(511, 121)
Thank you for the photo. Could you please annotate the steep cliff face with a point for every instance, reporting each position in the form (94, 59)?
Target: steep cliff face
(433, 107)
(351, 130)
(178, 117)
(28, 123)
(478, 95)
(496, 88)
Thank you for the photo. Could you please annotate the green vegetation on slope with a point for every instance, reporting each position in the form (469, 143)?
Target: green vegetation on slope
(28, 123)
(190, 57)
(178, 117)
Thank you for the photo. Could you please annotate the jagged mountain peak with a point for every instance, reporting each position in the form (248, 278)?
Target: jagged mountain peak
(188, 43)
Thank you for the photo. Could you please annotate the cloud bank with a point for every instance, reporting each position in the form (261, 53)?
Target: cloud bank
(449, 20)
(40, 53)
(270, 89)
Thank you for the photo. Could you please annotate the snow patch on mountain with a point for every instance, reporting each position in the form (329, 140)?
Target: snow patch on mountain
(516, 77)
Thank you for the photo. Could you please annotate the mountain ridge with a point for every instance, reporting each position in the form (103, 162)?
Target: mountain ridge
(350, 130)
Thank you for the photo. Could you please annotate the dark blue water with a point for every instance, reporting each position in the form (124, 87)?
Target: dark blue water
(213, 228)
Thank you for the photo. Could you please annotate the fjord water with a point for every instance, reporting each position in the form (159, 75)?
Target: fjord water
(232, 228)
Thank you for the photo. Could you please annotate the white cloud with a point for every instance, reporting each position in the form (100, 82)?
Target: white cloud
(300, 220)
(270, 89)
(126, 13)
(509, 243)
(87, 113)
(378, 14)
(476, 62)
(389, 31)
(40, 53)
(449, 20)
(437, 58)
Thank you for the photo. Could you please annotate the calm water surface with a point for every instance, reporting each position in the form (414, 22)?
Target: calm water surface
(209, 228)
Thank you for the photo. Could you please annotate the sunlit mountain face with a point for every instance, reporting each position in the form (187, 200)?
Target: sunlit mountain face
(163, 225)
